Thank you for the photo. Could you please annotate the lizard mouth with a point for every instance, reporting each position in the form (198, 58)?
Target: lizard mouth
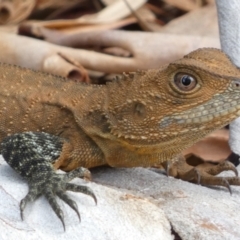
(219, 111)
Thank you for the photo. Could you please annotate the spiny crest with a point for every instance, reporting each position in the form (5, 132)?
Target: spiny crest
(210, 56)
(124, 77)
(206, 54)
(211, 60)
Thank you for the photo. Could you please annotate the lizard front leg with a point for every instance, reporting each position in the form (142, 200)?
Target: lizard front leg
(194, 169)
(32, 155)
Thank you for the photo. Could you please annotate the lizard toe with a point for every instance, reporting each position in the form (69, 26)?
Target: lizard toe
(53, 185)
(31, 155)
(82, 189)
(80, 172)
(69, 202)
(56, 208)
(194, 169)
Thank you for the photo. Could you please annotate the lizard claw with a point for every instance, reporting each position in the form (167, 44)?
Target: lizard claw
(51, 186)
(227, 185)
(193, 169)
(31, 155)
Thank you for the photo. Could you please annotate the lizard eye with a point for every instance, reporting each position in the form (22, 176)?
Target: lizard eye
(185, 82)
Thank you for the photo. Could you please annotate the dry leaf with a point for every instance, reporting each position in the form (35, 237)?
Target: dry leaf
(13, 11)
(62, 65)
(160, 49)
(186, 5)
(143, 15)
(200, 22)
(114, 12)
(214, 147)
(32, 29)
(42, 4)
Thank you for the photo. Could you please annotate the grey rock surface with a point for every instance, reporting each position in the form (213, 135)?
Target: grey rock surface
(194, 211)
(118, 215)
(133, 203)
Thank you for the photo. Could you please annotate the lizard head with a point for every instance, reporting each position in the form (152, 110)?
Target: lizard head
(178, 104)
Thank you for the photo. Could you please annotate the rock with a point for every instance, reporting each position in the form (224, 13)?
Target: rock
(118, 215)
(194, 211)
(133, 203)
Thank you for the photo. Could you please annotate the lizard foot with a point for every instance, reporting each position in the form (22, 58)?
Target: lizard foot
(31, 155)
(194, 169)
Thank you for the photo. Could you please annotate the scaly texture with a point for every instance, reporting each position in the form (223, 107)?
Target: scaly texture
(31, 155)
(143, 119)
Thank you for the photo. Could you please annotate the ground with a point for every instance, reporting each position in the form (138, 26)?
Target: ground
(132, 203)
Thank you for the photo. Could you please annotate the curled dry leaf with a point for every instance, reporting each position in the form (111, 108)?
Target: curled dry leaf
(200, 22)
(112, 13)
(62, 65)
(36, 54)
(186, 5)
(143, 15)
(214, 147)
(42, 4)
(160, 49)
(32, 29)
(13, 11)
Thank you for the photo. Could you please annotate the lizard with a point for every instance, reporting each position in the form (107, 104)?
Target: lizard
(145, 118)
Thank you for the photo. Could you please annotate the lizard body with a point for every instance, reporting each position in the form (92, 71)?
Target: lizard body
(144, 119)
